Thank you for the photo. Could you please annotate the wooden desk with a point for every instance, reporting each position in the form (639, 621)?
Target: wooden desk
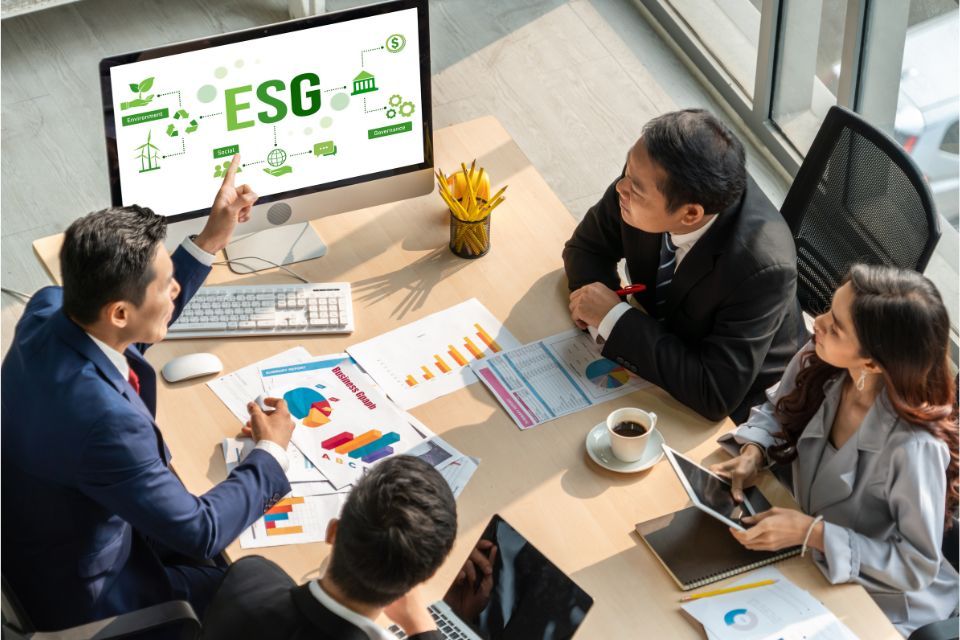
(542, 481)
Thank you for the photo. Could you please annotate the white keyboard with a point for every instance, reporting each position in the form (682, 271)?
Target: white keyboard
(266, 310)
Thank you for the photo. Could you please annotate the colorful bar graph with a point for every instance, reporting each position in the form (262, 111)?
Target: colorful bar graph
(270, 517)
(359, 441)
(487, 340)
(281, 508)
(376, 455)
(426, 373)
(459, 359)
(441, 364)
(337, 440)
(472, 348)
(411, 381)
(282, 531)
(381, 442)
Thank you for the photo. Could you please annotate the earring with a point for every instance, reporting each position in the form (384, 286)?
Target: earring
(862, 379)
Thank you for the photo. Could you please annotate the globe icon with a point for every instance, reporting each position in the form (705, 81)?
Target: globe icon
(276, 157)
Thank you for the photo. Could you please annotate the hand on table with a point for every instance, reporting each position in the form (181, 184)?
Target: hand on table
(778, 528)
(591, 303)
(410, 612)
(231, 206)
(277, 426)
(472, 587)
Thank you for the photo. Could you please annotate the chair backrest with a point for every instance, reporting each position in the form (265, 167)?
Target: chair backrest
(858, 197)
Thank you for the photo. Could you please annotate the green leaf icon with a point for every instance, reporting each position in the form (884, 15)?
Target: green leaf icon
(146, 84)
(135, 88)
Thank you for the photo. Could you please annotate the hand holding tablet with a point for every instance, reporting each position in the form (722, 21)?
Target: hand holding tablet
(712, 494)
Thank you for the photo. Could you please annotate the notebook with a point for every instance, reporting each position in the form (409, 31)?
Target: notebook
(696, 549)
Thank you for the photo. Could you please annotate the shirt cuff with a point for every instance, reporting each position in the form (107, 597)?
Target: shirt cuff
(276, 451)
(609, 320)
(840, 560)
(201, 256)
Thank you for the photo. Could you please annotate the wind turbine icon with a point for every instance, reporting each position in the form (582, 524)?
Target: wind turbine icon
(148, 155)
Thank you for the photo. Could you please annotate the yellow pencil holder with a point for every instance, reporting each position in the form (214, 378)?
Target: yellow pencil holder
(469, 239)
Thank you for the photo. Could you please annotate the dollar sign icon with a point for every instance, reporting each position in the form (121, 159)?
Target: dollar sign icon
(396, 43)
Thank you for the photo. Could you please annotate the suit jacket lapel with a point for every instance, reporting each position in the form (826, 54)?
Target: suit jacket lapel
(702, 256)
(812, 442)
(77, 339)
(327, 623)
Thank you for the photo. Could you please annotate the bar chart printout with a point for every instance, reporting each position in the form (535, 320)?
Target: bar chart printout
(432, 357)
(553, 377)
(293, 520)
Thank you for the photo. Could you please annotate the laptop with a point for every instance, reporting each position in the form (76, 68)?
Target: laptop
(527, 597)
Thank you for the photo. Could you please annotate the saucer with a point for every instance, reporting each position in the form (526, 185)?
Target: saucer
(598, 448)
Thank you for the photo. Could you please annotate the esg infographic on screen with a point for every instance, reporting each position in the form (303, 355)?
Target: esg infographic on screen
(302, 108)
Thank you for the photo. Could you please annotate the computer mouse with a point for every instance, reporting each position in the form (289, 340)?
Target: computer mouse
(190, 366)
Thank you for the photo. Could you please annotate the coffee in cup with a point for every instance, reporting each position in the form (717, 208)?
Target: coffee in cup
(629, 431)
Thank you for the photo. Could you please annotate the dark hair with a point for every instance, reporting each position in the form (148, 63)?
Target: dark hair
(396, 528)
(107, 256)
(901, 324)
(703, 161)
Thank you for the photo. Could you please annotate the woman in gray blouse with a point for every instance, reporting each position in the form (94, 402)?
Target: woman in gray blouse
(864, 417)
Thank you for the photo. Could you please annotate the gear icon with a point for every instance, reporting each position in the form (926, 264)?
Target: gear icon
(391, 113)
(395, 100)
(407, 109)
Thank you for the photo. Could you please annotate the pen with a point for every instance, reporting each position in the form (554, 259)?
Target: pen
(718, 592)
(633, 288)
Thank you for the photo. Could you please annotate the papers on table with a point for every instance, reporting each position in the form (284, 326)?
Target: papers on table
(345, 424)
(774, 612)
(455, 467)
(553, 377)
(244, 385)
(428, 358)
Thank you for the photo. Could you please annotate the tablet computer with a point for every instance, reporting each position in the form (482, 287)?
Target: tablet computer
(711, 493)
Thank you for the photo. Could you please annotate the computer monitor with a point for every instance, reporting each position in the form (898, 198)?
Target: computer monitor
(329, 113)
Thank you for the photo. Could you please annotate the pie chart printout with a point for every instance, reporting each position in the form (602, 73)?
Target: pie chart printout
(308, 405)
(607, 374)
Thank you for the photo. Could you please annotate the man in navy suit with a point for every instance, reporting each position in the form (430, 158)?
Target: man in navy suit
(95, 523)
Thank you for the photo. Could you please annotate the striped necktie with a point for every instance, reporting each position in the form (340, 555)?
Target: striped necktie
(668, 263)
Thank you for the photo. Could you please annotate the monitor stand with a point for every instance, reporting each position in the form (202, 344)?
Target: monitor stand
(281, 245)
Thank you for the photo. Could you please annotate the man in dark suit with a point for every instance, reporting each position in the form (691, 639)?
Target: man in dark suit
(95, 523)
(395, 531)
(718, 320)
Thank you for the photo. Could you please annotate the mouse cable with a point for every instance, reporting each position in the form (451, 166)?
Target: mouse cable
(20, 294)
(238, 261)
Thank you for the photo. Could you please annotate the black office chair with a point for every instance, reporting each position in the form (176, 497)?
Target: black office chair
(858, 197)
(174, 619)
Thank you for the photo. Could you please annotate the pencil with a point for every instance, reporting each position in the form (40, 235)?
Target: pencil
(717, 592)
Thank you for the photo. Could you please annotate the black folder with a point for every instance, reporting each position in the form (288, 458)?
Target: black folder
(697, 549)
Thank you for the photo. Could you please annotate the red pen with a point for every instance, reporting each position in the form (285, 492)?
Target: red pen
(633, 288)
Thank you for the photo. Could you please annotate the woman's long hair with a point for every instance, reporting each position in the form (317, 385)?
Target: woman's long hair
(902, 325)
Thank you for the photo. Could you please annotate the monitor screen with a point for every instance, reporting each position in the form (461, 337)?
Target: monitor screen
(309, 105)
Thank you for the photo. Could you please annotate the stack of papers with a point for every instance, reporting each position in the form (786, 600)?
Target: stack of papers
(774, 612)
(344, 424)
(553, 377)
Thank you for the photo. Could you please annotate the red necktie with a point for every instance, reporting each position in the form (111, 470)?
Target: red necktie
(134, 380)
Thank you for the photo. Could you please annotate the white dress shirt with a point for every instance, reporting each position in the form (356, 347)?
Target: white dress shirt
(683, 242)
(120, 361)
(365, 624)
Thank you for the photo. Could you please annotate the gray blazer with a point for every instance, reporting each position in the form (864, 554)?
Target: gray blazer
(881, 496)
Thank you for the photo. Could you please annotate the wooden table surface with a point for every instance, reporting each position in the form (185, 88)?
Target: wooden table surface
(581, 516)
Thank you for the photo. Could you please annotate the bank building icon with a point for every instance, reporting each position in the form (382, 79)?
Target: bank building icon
(364, 83)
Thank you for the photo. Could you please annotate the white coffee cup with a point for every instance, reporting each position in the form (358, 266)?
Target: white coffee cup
(630, 448)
